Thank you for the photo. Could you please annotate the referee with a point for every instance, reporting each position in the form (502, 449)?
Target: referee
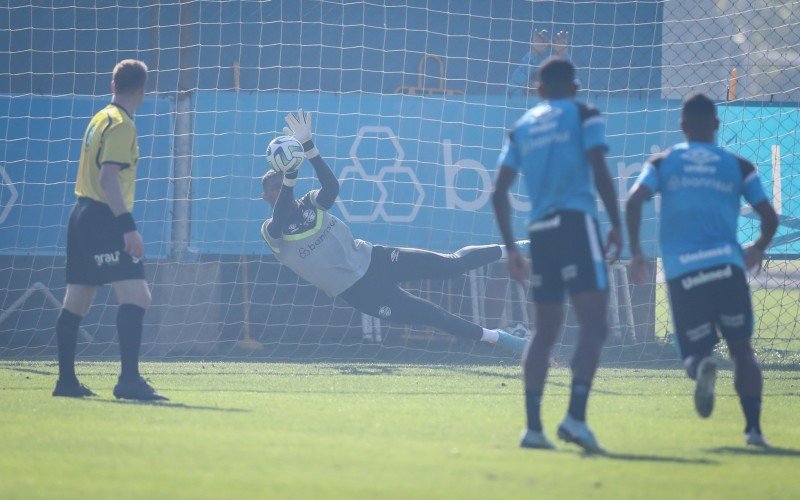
(103, 244)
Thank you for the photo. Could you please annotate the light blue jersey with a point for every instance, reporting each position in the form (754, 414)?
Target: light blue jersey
(701, 185)
(549, 144)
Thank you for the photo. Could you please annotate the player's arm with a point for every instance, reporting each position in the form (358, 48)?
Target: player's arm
(518, 266)
(300, 128)
(646, 185)
(113, 158)
(753, 192)
(593, 132)
(284, 206)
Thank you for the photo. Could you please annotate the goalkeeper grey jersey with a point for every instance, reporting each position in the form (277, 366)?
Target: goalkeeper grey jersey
(320, 248)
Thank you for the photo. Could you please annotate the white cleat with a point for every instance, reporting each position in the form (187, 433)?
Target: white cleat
(704, 389)
(575, 431)
(536, 440)
(755, 438)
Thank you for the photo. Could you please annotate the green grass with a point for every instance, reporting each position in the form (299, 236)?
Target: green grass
(376, 430)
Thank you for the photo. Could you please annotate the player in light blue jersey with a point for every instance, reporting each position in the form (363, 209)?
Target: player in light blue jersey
(560, 147)
(701, 186)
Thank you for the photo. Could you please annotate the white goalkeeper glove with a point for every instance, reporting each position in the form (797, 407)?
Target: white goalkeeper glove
(300, 127)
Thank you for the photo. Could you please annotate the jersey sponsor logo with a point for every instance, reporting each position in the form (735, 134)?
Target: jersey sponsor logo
(711, 253)
(691, 168)
(698, 332)
(109, 259)
(704, 277)
(677, 182)
(569, 272)
(732, 320)
(542, 225)
(385, 311)
(308, 248)
(700, 157)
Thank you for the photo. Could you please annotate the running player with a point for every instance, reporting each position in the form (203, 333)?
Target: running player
(701, 185)
(320, 248)
(559, 145)
(103, 244)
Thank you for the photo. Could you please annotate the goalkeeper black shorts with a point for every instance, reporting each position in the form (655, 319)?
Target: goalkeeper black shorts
(708, 303)
(95, 248)
(566, 256)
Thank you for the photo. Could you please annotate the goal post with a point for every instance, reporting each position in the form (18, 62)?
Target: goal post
(410, 102)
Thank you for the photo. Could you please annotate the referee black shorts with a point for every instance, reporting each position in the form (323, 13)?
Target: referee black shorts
(566, 256)
(95, 247)
(708, 303)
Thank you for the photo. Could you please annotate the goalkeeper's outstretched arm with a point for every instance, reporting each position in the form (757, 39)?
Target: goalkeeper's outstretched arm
(300, 128)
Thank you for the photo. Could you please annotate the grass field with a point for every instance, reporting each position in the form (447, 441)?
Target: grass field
(369, 430)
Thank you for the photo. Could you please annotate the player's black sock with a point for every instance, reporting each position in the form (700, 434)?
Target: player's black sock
(129, 330)
(533, 407)
(67, 338)
(475, 256)
(578, 398)
(751, 405)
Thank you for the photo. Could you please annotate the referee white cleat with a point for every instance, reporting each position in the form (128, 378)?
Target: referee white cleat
(704, 388)
(535, 440)
(755, 438)
(575, 431)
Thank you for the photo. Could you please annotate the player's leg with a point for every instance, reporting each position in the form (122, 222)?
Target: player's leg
(407, 264)
(395, 304)
(586, 277)
(83, 274)
(735, 322)
(547, 290)
(77, 302)
(693, 316)
(133, 296)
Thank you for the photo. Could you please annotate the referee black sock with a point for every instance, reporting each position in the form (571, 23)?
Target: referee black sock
(129, 330)
(67, 338)
(578, 399)
(533, 407)
(751, 405)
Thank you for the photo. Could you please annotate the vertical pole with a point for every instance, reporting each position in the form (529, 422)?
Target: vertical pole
(182, 172)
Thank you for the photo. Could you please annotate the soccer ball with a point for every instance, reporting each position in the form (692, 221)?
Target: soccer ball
(285, 154)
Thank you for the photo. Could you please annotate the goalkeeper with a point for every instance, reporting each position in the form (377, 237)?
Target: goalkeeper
(321, 249)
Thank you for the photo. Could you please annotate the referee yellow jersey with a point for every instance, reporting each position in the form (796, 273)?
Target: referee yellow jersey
(109, 138)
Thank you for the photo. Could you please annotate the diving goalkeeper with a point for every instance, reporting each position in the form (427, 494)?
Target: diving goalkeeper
(320, 248)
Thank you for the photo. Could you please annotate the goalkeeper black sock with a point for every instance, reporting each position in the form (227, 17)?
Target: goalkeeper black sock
(67, 327)
(751, 405)
(533, 407)
(129, 330)
(578, 399)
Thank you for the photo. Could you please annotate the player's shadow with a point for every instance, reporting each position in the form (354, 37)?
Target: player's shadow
(167, 404)
(635, 457)
(754, 452)
(28, 370)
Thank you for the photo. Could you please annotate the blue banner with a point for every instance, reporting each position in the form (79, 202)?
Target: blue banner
(39, 163)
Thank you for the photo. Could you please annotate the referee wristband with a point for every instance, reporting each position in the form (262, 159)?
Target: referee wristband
(125, 223)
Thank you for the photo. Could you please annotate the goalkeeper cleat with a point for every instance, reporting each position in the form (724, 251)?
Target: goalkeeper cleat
(755, 438)
(137, 389)
(575, 431)
(72, 389)
(704, 388)
(511, 342)
(535, 440)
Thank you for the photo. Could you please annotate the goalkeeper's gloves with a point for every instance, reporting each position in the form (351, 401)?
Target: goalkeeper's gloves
(300, 127)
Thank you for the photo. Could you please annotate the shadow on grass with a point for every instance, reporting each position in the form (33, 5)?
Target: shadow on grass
(166, 404)
(634, 457)
(753, 451)
(29, 370)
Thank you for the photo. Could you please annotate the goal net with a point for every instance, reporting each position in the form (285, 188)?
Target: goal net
(410, 101)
